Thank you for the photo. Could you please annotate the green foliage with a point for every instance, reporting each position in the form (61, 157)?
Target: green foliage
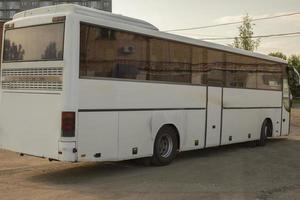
(245, 41)
(278, 55)
(293, 61)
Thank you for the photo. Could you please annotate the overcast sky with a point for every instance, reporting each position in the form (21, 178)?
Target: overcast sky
(173, 14)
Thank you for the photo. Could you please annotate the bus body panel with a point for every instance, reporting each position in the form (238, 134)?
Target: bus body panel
(245, 111)
(30, 123)
(214, 109)
(248, 98)
(286, 116)
(240, 125)
(117, 120)
(135, 134)
(116, 135)
(195, 130)
(285, 122)
(130, 95)
(97, 133)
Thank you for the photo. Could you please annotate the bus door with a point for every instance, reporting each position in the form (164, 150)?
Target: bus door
(286, 109)
(213, 119)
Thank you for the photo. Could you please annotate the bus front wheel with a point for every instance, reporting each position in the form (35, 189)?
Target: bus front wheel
(266, 129)
(165, 146)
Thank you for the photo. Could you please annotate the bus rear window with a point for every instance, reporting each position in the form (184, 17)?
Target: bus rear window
(35, 43)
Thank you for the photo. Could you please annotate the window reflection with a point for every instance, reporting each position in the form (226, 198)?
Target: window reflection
(269, 77)
(43, 42)
(110, 53)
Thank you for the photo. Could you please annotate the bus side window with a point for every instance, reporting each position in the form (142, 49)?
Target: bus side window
(241, 76)
(215, 66)
(110, 53)
(269, 77)
(169, 61)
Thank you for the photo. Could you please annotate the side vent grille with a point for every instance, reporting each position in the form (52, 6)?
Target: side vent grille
(32, 79)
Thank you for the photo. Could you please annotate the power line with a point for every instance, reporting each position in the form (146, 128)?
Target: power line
(232, 23)
(256, 36)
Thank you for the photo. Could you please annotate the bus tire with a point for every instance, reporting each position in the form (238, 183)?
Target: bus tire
(165, 146)
(265, 130)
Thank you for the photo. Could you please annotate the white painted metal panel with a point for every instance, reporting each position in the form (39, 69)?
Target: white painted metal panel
(275, 116)
(195, 130)
(251, 98)
(285, 122)
(97, 133)
(214, 109)
(66, 150)
(31, 123)
(244, 113)
(135, 132)
(109, 94)
(239, 123)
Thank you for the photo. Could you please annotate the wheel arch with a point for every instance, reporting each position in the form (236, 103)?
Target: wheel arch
(175, 119)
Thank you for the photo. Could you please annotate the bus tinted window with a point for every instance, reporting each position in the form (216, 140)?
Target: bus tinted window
(199, 66)
(109, 53)
(269, 77)
(169, 61)
(240, 75)
(44, 42)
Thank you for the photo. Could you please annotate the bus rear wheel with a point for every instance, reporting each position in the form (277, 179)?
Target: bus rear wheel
(266, 129)
(165, 146)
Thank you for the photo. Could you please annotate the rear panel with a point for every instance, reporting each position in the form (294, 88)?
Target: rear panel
(32, 98)
(30, 123)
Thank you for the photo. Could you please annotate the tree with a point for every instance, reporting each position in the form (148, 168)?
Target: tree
(50, 51)
(278, 55)
(245, 40)
(294, 61)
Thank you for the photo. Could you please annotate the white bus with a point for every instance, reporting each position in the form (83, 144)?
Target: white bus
(80, 84)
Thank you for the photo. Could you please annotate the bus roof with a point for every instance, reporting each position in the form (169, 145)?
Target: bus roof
(139, 26)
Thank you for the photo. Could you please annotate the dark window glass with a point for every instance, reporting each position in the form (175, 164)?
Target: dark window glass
(241, 75)
(269, 77)
(215, 64)
(119, 54)
(35, 43)
(111, 53)
(170, 61)
(198, 67)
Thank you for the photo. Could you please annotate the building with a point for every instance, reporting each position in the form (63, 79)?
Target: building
(9, 7)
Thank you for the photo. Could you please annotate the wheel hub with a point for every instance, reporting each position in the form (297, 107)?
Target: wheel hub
(165, 146)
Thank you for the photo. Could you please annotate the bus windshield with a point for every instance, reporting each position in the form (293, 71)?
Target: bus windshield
(35, 43)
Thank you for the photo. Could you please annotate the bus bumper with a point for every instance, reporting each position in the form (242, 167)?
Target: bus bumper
(67, 151)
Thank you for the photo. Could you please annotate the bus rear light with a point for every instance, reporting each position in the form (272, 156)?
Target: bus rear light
(68, 124)
(59, 19)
